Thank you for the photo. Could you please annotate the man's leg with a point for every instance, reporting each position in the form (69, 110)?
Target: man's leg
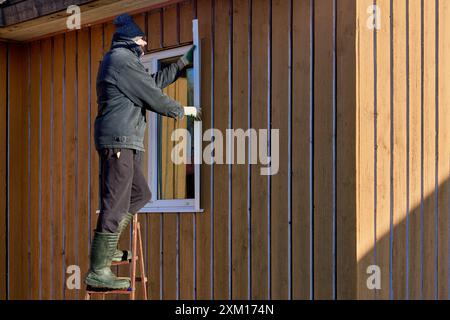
(140, 191)
(117, 176)
(140, 196)
(117, 179)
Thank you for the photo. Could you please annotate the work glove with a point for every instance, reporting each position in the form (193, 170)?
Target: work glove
(195, 113)
(188, 57)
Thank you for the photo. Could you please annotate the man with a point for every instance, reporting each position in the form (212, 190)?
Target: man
(124, 92)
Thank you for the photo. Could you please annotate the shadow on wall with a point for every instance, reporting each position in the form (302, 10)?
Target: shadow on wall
(412, 253)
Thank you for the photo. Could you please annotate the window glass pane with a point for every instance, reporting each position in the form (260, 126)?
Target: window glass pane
(176, 181)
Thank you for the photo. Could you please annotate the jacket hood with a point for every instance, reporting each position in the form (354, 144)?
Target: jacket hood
(120, 41)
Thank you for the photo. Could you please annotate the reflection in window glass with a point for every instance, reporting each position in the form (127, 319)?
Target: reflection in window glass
(176, 181)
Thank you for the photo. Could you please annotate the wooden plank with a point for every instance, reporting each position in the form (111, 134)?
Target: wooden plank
(47, 172)
(3, 166)
(154, 255)
(186, 220)
(57, 168)
(203, 220)
(280, 245)
(83, 161)
(155, 29)
(415, 162)
(108, 31)
(429, 152)
(154, 221)
(383, 150)
(29, 198)
(96, 45)
(346, 148)
(443, 148)
(239, 180)
(221, 98)
(71, 160)
(186, 256)
(186, 17)
(366, 156)
(169, 230)
(399, 151)
(23, 11)
(301, 151)
(35, 165)
(170, 26)
(14, 1)
(139, 19)
(259, 186)
(101, 11)
(20, 11)
(170, 280)
(154, 244)
(18, 182)
(323, 151)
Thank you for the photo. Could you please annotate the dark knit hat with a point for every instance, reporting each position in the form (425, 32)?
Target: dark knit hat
(126, 28)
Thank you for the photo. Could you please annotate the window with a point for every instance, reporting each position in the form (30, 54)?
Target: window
(175, 186)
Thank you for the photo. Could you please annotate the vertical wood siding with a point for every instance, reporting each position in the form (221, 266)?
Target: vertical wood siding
(403, 145)
(364, 154)
(18, 236)
(3, 166)
(346, 150)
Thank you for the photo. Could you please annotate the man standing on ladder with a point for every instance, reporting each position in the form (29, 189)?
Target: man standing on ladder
(124, 92)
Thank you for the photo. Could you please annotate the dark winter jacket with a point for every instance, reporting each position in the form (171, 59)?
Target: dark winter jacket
(125, 91)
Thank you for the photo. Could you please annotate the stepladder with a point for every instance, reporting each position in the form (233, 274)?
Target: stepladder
(137, 259)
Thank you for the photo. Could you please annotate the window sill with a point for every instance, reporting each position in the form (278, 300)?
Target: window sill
(171, 206)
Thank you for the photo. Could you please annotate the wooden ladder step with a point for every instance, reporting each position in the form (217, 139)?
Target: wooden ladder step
(94, 290)
(139, 279)
(121, 263)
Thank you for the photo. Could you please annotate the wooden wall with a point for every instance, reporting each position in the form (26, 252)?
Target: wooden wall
(266, 64)
(274, 64)
(3, 165)
(336, 205)
(404, 149)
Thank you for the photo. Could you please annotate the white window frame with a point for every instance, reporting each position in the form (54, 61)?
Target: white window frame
(155, 205)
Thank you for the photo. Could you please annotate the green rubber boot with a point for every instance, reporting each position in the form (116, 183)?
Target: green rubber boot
(123, 255)
(100, 274)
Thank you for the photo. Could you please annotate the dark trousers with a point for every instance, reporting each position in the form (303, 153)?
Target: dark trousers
(123, 187)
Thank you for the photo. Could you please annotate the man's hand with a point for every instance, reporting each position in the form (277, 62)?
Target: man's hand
(188, 57)
(193, 112)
